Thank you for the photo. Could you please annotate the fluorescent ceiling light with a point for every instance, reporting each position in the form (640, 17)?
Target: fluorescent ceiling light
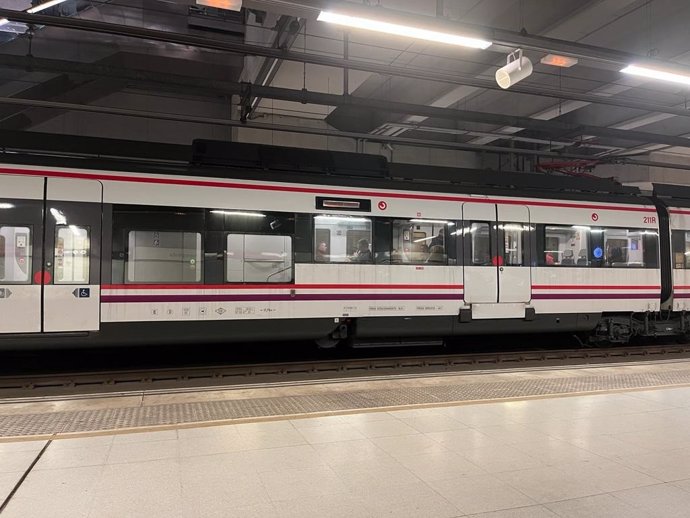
(42, 7)
(6, 206)
(234, 213)
(4, 21)
(653, 73)
(408, 31)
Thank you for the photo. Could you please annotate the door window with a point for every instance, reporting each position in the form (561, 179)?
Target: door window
(15, 255)
(480, 243)
(72, 251)
(516, 244)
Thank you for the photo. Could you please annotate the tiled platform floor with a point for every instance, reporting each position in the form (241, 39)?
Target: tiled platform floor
(609, 455)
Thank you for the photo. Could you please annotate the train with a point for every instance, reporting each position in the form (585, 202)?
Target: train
(254, 243)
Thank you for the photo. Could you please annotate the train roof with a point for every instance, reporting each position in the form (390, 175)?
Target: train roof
(282, 164)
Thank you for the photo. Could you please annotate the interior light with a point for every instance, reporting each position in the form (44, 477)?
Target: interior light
(581, 227)
(42, 7)
(342, 218)
(409, 31)
(237, 213)
(437, 221)
(516, 69)
(6, 206)
(655, 73)
(4, 21)
(60, 218)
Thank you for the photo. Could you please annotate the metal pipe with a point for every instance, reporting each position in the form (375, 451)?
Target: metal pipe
(282, 128)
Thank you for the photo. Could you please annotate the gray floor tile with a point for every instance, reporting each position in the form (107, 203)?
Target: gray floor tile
(55, 493)
(408, 445)
(95, 455)
(387, 428)
(82, 442)
(7, 482)
(16, 460)
(433, 423)
(461, 441)
(329, 505)
(413, 501)
(496, 459)
(666, 466)
(481, 493)
(349, 453)
(533, 511)
(143, 451)
(331, 433)
(597, 506)
(664, 500)
(550, 484)
(163, 435)
(15, 446)
(304, 484)
(439, 465)
(151, 489)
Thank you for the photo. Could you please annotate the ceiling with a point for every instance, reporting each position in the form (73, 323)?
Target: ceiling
(198, 70)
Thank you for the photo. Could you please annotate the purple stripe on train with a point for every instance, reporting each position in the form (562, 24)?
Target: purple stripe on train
(584, 296)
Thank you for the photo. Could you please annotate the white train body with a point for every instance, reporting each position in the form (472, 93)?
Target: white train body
(553, 263)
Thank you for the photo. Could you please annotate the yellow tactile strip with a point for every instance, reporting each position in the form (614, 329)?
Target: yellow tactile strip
(227, 405)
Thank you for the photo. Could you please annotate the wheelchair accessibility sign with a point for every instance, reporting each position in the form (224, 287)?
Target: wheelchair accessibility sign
(82, 293)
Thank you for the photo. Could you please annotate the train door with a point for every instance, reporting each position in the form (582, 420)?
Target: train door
(71, 263)
(496, 262)
(21, 249)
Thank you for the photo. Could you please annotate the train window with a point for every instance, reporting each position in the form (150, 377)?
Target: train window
(163, 257)
(258, 258)
(515, 244)
(480, 243)
(626, 248)
(570, 246)
(420, 241)
(342, 239)
(72, 255)
(15, 255)
(681, 249)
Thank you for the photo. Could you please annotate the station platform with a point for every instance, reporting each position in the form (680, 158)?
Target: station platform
(606, 441)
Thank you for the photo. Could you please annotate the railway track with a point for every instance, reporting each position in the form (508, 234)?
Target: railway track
(224, 377)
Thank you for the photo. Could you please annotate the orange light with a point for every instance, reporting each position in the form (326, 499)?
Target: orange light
(558, 61)
(229, 5)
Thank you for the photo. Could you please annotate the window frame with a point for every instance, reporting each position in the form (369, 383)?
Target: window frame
(30, 256)
(369, 218)
(55, 256)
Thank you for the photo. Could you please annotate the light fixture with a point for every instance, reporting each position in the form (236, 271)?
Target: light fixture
(228, 5)
(6, 206)
(657, 73)
(4, 21)
(42, 7)
(237, 213)
(555, 60)
(60, 218)
(369, 21)
(437, 221)
(516, 69)
(343, 218)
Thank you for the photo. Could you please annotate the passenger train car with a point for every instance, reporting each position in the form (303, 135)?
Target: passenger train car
(124, 254)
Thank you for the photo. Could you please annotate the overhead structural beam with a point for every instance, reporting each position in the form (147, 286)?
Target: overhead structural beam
(330, 61)
(284, 128)
(551, 128)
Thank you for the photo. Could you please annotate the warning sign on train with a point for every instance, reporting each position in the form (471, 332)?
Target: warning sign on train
(383, 205)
